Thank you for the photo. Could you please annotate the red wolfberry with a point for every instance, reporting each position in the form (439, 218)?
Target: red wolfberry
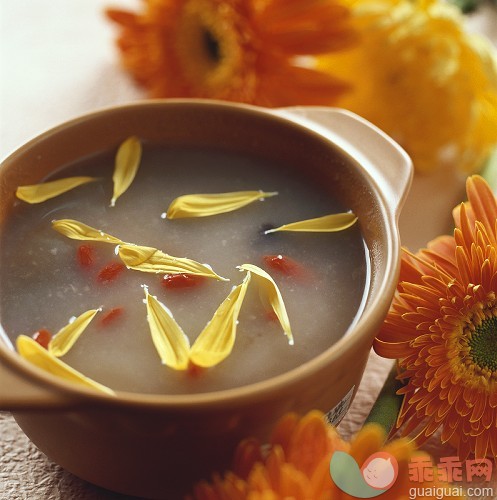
(194, 370)
(42, 337)
(111, 316)
(86, 255)
(287, 266)
(110, 272)
(173, 281)
(271, 316)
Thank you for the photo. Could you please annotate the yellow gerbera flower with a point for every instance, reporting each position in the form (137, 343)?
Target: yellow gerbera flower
(297, 463)
(442, 327)
(239, 50)
(420, 77)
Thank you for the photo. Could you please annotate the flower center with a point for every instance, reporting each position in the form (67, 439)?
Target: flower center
(482, 343)
(211, 46)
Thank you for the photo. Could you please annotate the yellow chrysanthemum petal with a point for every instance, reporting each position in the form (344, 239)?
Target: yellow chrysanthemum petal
(126, 165)
(169, 339)
(216, 340)
(151, 260)
(66, 337)
(33, 352)
(204, 205)
(79, 231)
(37, 193)
(326, 224)
(271, 295)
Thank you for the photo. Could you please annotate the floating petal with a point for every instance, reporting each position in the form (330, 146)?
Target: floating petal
(203, 205)
(33, 352)
(37, 193)
(169, 339)
(126, 165)
(151, 260)
(326, 224)
(79, 231)
(270, 294)
(65, 338)
(216, 340)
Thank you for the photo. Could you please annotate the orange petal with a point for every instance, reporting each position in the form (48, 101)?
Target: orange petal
(480, 405)
(310, 39)
(309, 86)
(367, 441)
(121, 17)
(309, 442)
(283, 430)
(392, 350)
(294, 483)
(247, 454)
(482, 200)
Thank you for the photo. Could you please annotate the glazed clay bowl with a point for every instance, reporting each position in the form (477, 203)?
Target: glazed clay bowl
(157, 446)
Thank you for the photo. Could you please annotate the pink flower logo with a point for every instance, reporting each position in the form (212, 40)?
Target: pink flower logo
(378, 473)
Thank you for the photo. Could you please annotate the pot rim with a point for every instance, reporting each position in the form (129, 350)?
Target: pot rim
(357, 332)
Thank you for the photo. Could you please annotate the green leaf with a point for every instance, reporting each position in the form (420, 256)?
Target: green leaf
(386, 408)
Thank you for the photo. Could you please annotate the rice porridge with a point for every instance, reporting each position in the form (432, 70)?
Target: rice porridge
(47, 278)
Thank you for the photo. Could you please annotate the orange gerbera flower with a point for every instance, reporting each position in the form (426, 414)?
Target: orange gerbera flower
(442, 327)
(296, 464)
(239, 50)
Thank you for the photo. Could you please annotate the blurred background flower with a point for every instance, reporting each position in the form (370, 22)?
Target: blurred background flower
(410, 67)
(419, 76)
(296, 463)
(238, 50)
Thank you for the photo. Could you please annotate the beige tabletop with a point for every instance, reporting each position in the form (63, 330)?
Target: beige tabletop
(57, 61)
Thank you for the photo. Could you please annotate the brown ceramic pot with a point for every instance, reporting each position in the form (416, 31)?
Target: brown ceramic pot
(157, 446)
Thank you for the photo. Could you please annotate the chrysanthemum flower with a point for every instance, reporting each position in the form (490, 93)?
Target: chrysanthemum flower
(442, 327)
(423, 79)
(296, 463)
(238, 50)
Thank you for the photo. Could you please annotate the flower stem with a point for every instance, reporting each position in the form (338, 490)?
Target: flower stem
(386, 408)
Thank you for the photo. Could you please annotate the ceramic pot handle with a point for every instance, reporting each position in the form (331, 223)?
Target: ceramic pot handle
(388, 165)
(18, 392)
